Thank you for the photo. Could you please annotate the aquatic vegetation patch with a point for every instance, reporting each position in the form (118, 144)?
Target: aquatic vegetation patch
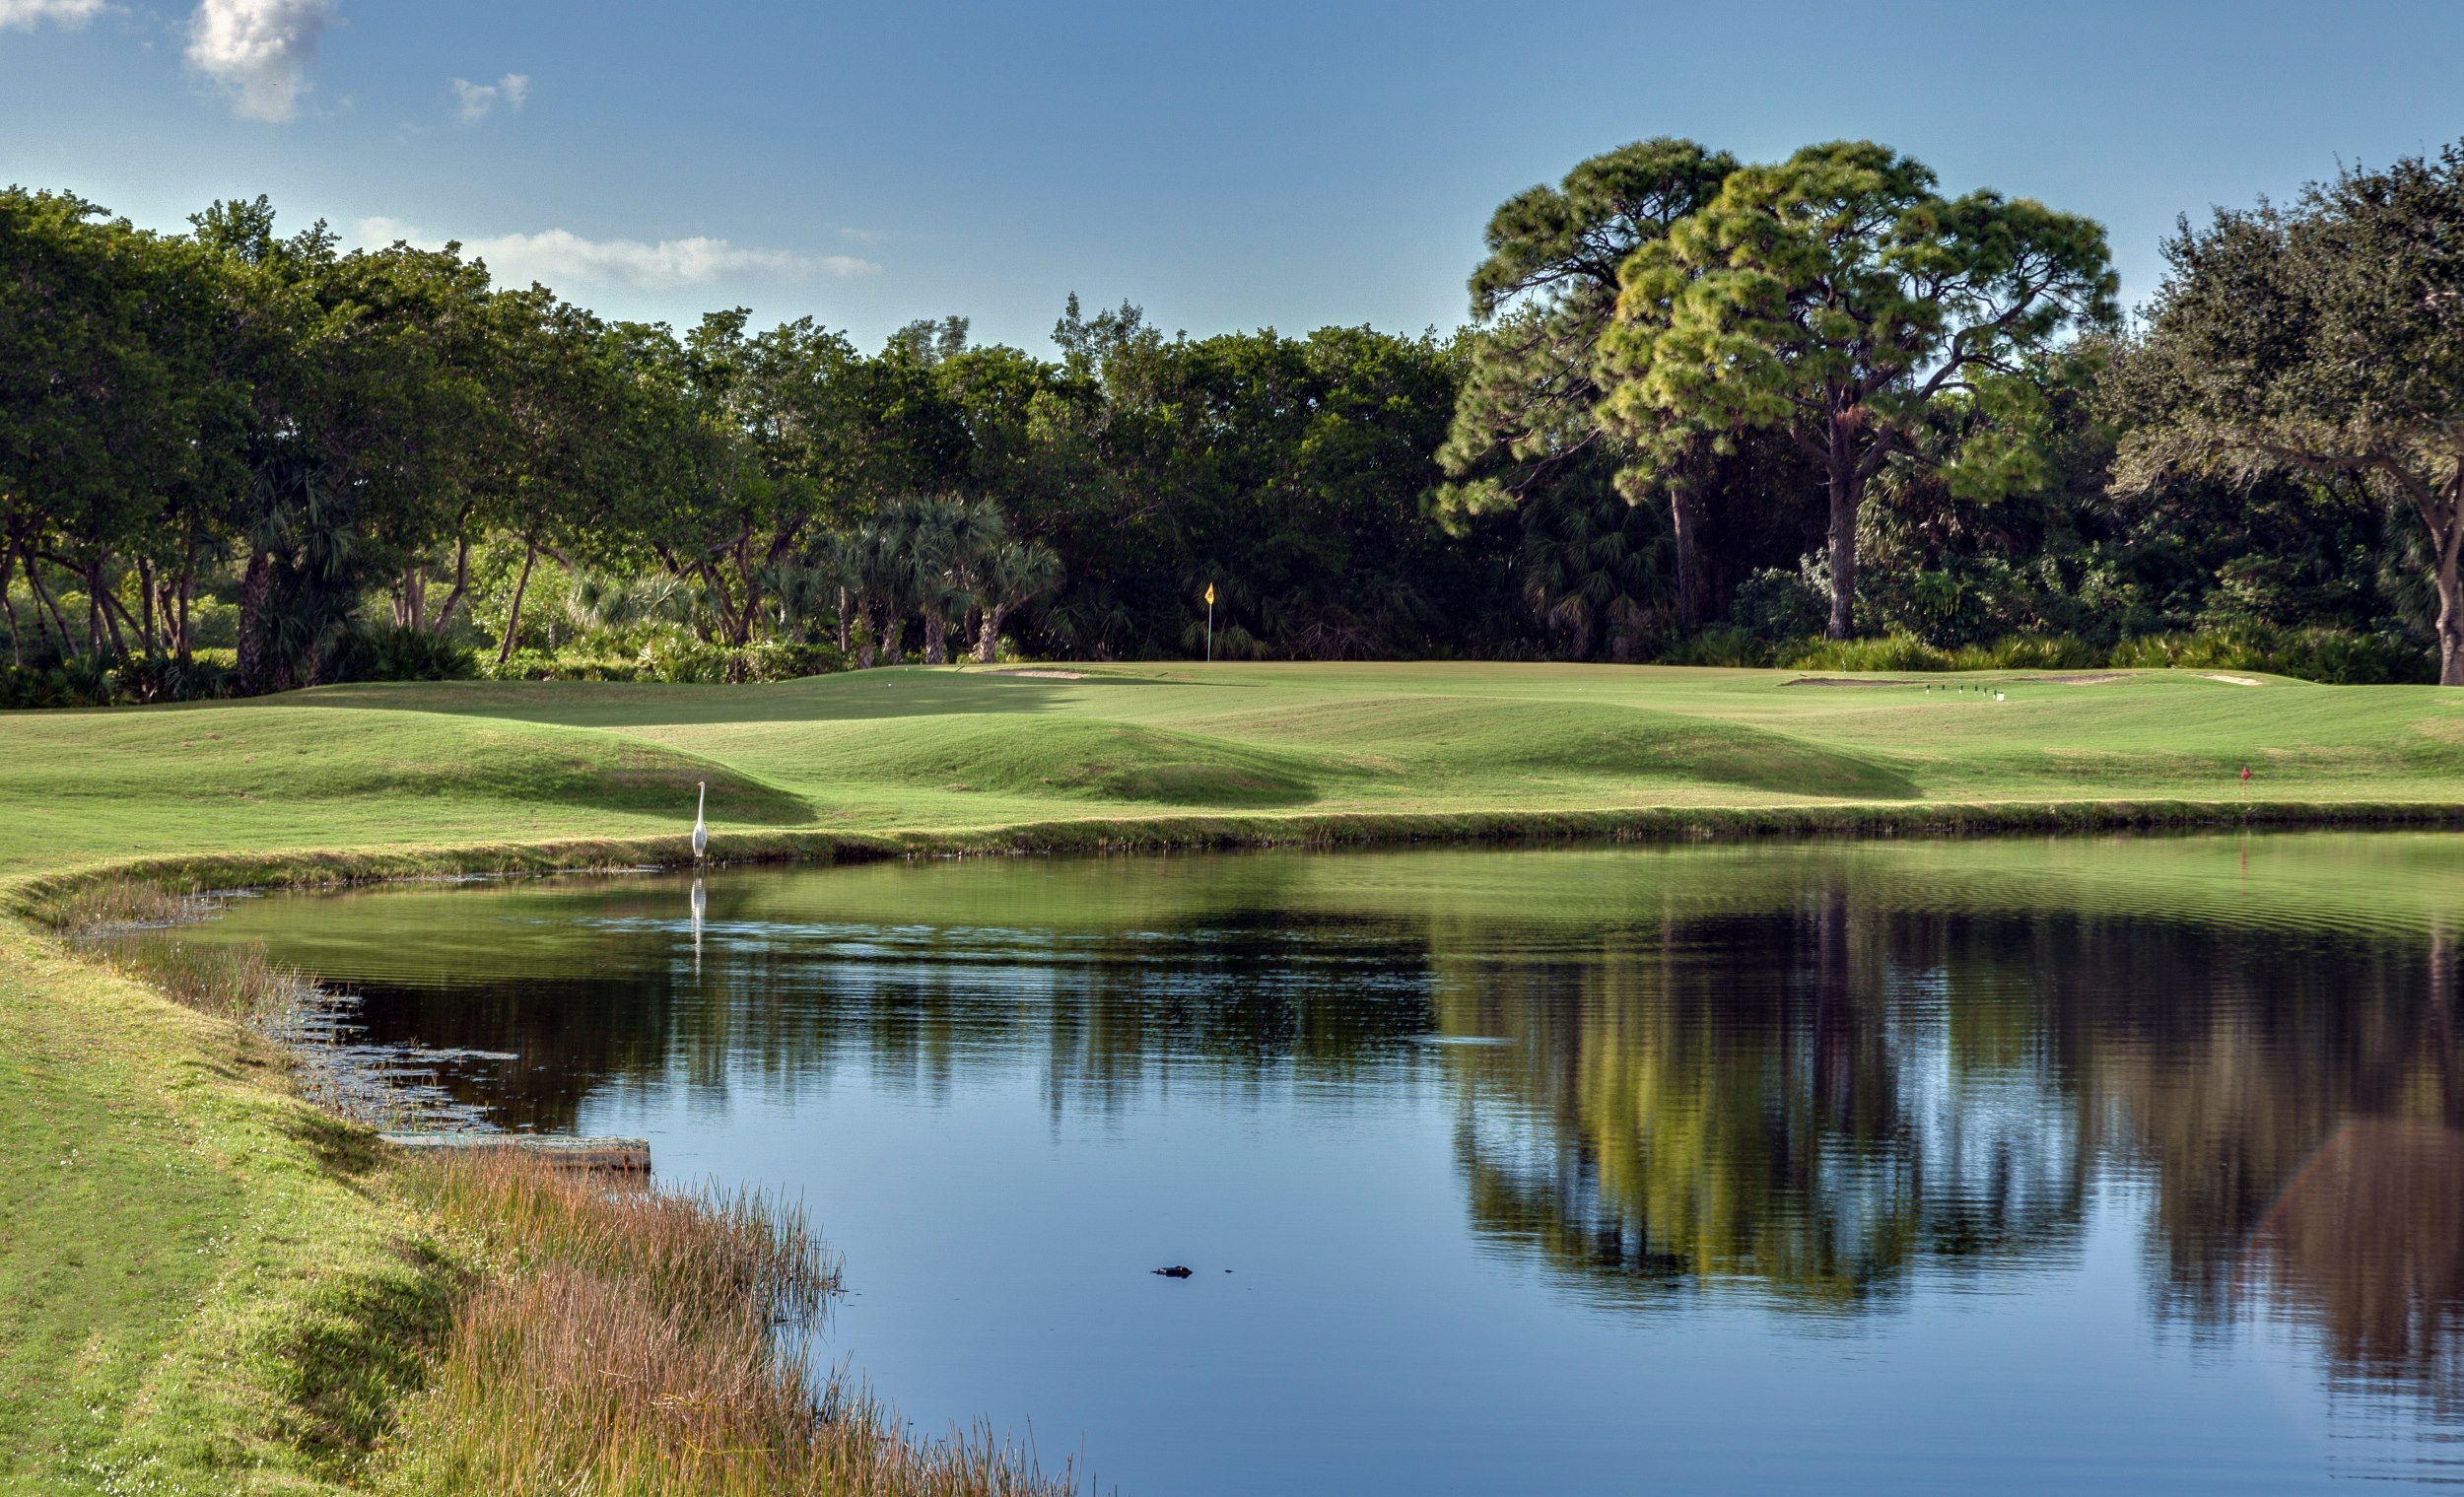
(117, 904)
(650, 1342)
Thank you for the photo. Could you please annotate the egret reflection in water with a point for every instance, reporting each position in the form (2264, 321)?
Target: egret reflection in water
(1838, 1087)
(700, 904)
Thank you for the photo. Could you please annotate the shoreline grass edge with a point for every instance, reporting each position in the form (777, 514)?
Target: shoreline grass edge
(39, 897)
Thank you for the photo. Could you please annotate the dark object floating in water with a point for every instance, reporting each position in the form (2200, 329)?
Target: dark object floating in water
(1177, 1270)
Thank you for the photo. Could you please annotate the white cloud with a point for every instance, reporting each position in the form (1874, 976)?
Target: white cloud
(258, 50)
(559, 255)
(478, 100)
(26, 15)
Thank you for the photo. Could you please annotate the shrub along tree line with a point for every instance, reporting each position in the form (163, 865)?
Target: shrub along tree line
(1703, 410)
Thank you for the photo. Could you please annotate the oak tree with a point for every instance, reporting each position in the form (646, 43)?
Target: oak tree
(2323, 339)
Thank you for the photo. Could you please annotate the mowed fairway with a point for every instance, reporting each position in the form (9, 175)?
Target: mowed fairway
(946, 750)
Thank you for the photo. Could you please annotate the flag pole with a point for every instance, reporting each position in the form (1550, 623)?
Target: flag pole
(1211, 623)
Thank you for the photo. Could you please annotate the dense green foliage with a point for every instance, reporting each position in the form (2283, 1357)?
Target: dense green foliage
(2323, 343)
(1703, 410)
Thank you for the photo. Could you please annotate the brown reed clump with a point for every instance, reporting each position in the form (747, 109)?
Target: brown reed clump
(646, 1343)
(118, 904)
(239, 983)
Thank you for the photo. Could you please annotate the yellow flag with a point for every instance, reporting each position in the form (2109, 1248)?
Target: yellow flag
(1211, 594)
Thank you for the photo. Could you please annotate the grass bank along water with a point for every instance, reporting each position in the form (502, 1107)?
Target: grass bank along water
(205, 1286)
(208, 1284)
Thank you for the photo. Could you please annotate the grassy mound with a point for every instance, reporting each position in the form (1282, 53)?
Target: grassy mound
(1639, 744)
(1482, 738)
(276, 755)
(1075, 759)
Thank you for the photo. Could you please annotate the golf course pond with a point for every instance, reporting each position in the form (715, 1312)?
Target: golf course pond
(2053, 1165)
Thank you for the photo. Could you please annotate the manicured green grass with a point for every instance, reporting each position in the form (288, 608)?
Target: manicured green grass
(200, 1292)
(949, 752)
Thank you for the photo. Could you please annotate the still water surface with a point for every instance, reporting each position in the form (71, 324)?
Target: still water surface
(2022, 1166)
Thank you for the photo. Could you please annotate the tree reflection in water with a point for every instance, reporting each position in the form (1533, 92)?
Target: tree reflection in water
(1817, 1104)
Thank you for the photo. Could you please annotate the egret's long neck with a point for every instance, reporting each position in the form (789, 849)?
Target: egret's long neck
(700, 802)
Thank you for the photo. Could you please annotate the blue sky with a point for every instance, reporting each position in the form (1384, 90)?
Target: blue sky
(1239, 165)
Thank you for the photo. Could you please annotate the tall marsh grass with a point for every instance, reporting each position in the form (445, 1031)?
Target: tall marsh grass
(327, 1060)
(239, 983)
(118, 904)
(643, 1343)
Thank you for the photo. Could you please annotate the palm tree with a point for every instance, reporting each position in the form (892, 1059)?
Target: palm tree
(301, 583)
(1010, 575)
(936, 558)
(951, 539)
(799, 590)
(1592, 562)
(882, 563)
(604, 603)
(1089, 621)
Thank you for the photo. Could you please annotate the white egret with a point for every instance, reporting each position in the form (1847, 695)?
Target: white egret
(700, 829)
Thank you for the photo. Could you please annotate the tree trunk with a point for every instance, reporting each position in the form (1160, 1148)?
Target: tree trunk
(165, 615)
(936, 637)
(114, 614)
(33, 599)
(843, 607)
(98, 590)
(461, 582)
(42, 595)
(989, 638)
(738, 623)
(145, 596)
(2446, 531)
(8, 606)
(893, 624)
(1689, 570)
(1845, 491)
(513, 616)
(256, 585)
(187, 590)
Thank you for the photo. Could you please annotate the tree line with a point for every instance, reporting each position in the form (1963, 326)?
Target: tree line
(1703, 410)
